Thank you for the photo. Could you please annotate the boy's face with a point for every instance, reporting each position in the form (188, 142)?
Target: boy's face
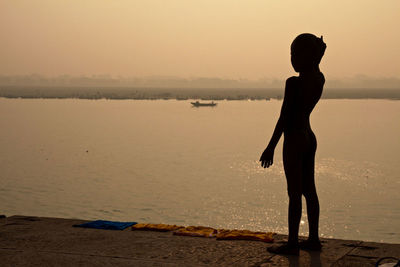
(294, 61)
(301, 60)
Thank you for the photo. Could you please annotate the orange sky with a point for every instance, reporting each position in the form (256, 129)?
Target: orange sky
(186, 38)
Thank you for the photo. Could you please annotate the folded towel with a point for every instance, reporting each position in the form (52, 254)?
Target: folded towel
(197, 231)
(245, 235)
(156, 227)
(108, 225)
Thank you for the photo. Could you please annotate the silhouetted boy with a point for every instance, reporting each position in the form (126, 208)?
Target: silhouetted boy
(302, 93)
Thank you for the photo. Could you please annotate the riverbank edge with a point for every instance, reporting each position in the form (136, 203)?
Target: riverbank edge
(206, 94)
(45, 241)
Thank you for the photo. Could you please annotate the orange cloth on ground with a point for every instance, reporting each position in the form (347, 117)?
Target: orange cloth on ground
(156, 227)
(245, 235)
(197, 231)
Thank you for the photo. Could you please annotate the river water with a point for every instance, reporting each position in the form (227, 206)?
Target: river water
(167, 162)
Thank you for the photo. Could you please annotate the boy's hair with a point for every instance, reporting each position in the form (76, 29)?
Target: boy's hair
(309, 45)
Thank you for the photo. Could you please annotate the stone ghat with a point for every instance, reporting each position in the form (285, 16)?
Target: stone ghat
(38, 241)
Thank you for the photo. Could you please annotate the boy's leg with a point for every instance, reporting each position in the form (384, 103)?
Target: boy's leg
(293, 170)
(310, 194)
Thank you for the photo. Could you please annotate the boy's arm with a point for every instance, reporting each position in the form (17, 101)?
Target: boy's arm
(268, 154)
(286, 105)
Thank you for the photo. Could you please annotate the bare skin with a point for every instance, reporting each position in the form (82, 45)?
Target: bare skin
(302, 93)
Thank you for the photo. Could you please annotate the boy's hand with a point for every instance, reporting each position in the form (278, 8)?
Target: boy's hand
(267, 157)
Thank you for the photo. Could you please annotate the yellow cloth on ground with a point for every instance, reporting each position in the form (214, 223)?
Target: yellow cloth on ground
(197, 231)
(245, 235)
(156, 227)
(202, 231)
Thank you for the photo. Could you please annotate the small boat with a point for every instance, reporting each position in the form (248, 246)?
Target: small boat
(198, 104)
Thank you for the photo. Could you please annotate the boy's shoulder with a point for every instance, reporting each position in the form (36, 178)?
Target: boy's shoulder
(291, 81)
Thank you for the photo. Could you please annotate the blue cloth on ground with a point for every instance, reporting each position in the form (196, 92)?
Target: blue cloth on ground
(108, 225)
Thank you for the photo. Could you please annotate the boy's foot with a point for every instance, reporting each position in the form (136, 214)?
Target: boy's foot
(314, 245)
(284, 249)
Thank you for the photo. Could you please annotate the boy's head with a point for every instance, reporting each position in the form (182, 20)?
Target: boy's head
(306, 52)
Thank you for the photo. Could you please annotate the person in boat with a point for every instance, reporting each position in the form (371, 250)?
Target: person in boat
(302, 93)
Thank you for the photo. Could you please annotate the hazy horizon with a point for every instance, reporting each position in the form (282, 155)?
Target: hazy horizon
(104, 80)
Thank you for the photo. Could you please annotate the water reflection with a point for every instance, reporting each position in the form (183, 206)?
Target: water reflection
(180, 165)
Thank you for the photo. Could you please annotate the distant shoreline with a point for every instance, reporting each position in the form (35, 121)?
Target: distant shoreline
(183, 93)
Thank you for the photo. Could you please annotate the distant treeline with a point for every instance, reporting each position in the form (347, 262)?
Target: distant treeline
(36, 80)
(182, 94)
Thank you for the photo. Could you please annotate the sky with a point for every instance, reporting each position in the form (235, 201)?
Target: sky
(236, 39)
